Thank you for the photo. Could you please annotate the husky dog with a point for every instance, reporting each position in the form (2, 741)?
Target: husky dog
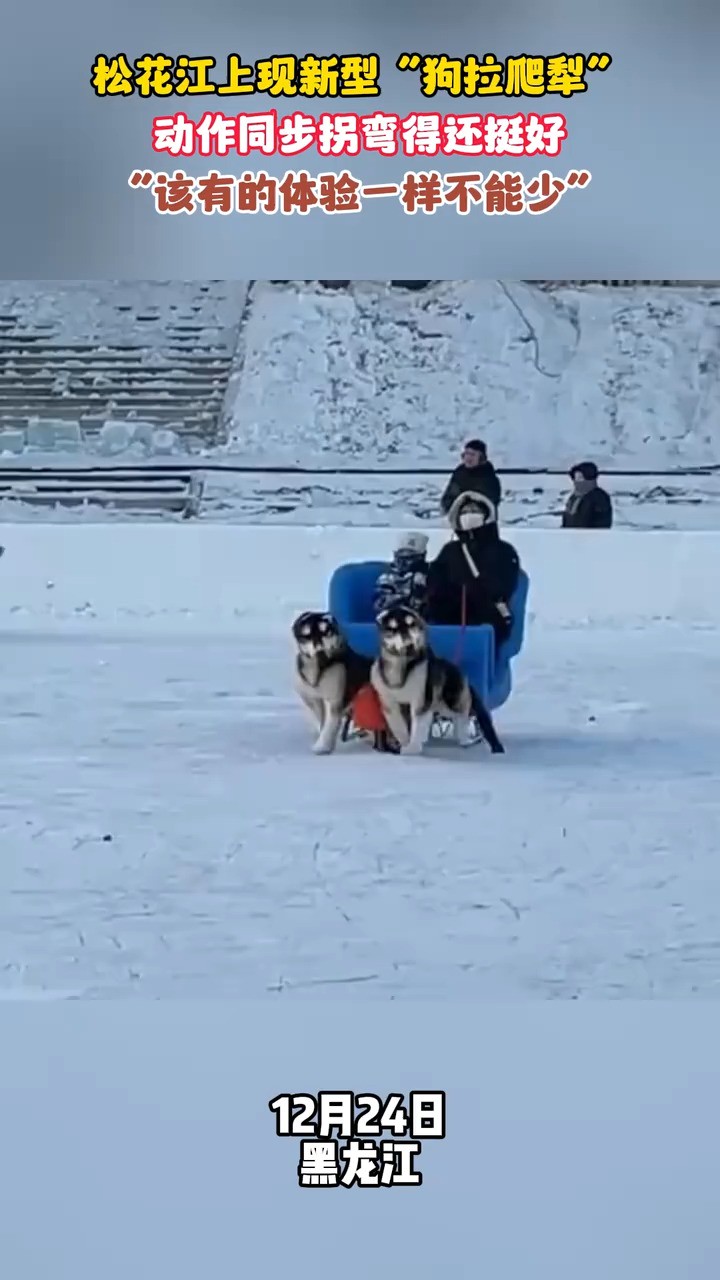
(328, 674)
(413, 683)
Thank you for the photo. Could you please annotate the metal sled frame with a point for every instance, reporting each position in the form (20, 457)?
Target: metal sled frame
(441, 730)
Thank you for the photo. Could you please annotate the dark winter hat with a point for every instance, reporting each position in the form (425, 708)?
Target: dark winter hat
(478, 445)
(587, 470)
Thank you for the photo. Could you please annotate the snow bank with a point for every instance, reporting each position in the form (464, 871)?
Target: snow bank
(627, 376)
(201, 579)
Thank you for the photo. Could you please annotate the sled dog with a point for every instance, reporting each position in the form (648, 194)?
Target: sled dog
(328, 675)
(413, 684)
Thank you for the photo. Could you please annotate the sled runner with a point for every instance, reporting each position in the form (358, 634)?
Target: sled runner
(473, 649)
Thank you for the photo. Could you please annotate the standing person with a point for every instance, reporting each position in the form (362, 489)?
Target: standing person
(589, 506)
(475, 474)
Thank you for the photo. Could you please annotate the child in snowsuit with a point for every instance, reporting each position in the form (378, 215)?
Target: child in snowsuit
(404, 582)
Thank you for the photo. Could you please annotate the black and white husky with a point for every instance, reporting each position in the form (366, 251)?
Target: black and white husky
(414, 685)
(328, 675)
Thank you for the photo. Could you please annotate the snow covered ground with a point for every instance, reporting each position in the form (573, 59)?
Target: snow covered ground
(165, 831)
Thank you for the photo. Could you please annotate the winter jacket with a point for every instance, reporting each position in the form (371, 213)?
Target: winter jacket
(483, 479)
(403, 582)
(591, 511)
(489, 581)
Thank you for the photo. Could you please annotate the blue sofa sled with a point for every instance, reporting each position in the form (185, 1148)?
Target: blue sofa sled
(350, 600)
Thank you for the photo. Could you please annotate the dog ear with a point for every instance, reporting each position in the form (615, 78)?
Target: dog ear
(304, 620)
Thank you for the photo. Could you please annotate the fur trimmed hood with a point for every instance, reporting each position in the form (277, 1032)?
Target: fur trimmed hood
(474, 499)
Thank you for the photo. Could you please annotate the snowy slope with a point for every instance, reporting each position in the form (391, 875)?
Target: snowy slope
(71, 312)
(376, 376)
(165, 831)
(629, 376)
(94, 368)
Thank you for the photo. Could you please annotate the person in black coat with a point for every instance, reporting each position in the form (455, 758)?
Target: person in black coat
(474, 475)
(473, 579)
(589, 506)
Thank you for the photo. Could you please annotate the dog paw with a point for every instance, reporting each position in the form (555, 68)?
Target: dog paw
(322, 749)
(413, 749)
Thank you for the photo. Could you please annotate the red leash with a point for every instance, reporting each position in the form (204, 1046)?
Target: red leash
(463, 626)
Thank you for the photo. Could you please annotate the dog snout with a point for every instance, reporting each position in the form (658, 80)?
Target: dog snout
(395, 642)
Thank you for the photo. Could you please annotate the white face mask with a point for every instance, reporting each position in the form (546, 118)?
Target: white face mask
(469, 520)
